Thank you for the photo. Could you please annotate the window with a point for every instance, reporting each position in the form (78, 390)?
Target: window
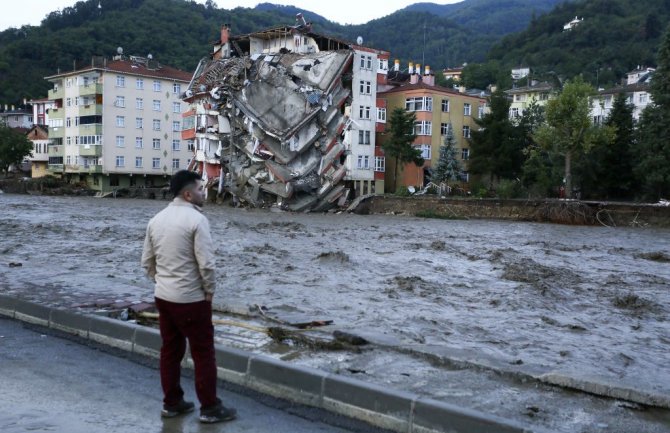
(423, 128)
(176, 144)
(514, 113)
(425, 151)
(138, 162)
(139, 84)
(368, 62)
(363, 162)
(445, 105)
(642, 98)
(68, 121)
(139, 123)
(190, 145)
(120, 121)
(68, 102)
(465, 154)
(383, 64)
(68, 140)
(421, 103)
(466, 132)
(139, 143)
(480, 111)
(465, 176)
(467, 109)
(155, 163)
(380, 163)
(120, 102)
(157, 86)
(156, 124)
(444, 128)
(176, 126)
(175, 163)
(381, 115)
(157, 105)
(365, 87)
(139, 103)
(120, 161)
(363, 137)
(364, 112)
(120, 141)
(120, 82)
(544, 96)
(176, 88)
(156, 143)
(176, 107)
(597, 120)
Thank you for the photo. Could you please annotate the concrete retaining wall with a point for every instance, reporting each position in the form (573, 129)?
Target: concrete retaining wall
(380, 406)
(596, 213)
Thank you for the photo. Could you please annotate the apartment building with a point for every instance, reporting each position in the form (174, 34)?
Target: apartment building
(636, 88)
(14, 117)
(438, 109)
(117, 123)
(523, 96)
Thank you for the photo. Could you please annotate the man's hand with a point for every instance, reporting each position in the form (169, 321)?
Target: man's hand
(208, 297)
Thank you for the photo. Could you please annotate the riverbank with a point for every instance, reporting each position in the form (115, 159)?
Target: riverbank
(609, 214)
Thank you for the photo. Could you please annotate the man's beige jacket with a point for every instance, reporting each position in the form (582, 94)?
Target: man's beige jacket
(178, 253)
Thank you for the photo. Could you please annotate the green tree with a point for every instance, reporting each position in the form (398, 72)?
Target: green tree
(448, 168)
(399, 145)
(653, 168)
(14, 147)
(496, 148)
(616, 178)
(568, 131)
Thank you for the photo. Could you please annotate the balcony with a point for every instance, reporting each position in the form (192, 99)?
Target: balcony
(90, 150)
(56, 150)
(90, 89)
(55, 168)
(56, 94)
(90, 110)
(57, 113)
(71, 168)
(90, 168)
(91, 129)
(57, 132)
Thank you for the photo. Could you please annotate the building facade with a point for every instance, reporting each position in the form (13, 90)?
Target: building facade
(636, 88)
(117, 123)
(16, 117)
(438, 109)
(39, 158)
(522, 97)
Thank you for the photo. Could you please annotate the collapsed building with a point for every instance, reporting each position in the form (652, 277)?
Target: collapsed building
(270, 118)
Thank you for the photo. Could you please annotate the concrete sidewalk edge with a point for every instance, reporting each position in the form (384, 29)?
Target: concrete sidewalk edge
(377, 405)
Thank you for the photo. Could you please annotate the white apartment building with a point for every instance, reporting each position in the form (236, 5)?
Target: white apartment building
(117, 123)
(636, 89)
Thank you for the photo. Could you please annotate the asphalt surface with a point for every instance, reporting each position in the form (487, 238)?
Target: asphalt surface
(49, 383)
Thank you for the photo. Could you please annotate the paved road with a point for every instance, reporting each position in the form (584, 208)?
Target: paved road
(52, 384)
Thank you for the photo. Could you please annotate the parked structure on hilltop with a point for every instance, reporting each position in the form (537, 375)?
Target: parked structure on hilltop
(287, 116)
(435, 107)
(117, 123)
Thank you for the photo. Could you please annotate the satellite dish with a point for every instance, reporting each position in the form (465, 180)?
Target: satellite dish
(149, 56)
(119, 50)
(359, 40)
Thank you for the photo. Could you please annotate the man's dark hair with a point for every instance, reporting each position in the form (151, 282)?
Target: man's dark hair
(181, 180)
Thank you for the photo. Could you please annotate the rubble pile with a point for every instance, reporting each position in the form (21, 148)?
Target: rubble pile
(276, 124)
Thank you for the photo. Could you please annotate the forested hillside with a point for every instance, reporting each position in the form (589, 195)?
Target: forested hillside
(614, 37)
(179, 33)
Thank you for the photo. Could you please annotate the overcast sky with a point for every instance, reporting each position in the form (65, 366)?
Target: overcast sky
(342, 11)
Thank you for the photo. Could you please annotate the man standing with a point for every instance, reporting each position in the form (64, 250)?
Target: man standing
(179, 256)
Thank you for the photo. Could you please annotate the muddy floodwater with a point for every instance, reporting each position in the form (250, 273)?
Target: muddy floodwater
(585, 302)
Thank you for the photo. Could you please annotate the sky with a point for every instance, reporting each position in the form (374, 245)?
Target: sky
(31, 12)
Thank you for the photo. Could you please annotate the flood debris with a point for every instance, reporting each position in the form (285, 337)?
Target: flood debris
(271, 126)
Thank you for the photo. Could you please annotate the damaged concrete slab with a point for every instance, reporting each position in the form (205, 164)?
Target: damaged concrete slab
(270, 127)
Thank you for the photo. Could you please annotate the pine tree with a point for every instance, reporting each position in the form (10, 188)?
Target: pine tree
(399, 145)
(448, 168)
(653, 168)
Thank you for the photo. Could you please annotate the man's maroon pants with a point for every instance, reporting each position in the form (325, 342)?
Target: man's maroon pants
(192, 321)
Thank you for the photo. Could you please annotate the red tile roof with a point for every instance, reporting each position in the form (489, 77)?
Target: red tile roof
(135, 68)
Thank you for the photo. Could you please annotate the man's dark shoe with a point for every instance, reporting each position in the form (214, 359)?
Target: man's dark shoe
(178, 409)
(217, 413)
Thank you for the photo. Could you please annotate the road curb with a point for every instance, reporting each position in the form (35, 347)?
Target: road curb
(377, 405)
